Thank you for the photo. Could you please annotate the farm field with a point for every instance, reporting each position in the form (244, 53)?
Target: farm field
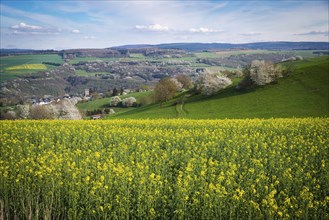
(28, 59)
(7, 64)
(165, 169)
(28, 67)
(227, 53)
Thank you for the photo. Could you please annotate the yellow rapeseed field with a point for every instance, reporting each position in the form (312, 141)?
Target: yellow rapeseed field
(165, 169)
(28, 67)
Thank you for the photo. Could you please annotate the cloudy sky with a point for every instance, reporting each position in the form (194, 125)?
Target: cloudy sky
(55, 24)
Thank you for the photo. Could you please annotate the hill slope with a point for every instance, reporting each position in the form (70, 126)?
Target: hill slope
(302, 94)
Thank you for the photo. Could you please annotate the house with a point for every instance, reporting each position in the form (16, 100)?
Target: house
(94, 117)
(86, 93)
(66, 96)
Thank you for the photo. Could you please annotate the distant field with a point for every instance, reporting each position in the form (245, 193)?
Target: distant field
(27, 67)
(9, 61)
(11, 66)
(133, 57)
(217, 69)
(86, 59)
(85, 73)
(227, 53)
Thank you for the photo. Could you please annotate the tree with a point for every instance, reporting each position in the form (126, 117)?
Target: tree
(121, 91)
(23, 111)
(209, 84)
(259, 73)
(95, 95)
(185, 81)
(262, 73)
(115, 92)
(115, 101)
(165, 89)
(8, 115)
(40, 112)
(129, 102)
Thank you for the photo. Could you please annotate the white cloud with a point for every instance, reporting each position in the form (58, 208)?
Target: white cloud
(250, 34)
(27, 29)
(75, 31)
(152, 27)
(204, 30)
(89, 37)
(324, 33)
(23, 26)
(49, 23)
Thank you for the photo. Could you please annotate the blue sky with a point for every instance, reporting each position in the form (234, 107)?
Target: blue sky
(98, 24)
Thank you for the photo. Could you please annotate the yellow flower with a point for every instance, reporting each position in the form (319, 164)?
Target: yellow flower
(152, 212)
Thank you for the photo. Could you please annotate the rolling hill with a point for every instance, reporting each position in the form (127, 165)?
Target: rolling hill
(279, 45)
(304, 93)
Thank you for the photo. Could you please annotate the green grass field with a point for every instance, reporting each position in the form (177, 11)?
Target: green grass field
(302, 94)
(11, 61)
(104, 103)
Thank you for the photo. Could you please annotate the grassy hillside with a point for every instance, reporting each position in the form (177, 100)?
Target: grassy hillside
(104, 103)
(302, 94)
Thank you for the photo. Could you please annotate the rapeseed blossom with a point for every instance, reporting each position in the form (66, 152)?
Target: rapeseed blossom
(165, 169)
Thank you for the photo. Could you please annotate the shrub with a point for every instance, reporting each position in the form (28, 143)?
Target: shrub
(94, 112)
